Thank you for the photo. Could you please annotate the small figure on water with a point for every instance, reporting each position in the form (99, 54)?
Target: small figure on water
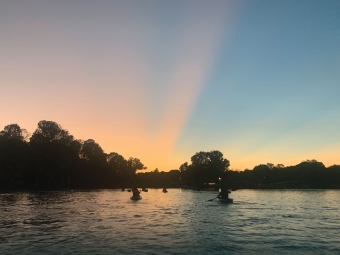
(224, 194)
(164, 190)
(135, 192)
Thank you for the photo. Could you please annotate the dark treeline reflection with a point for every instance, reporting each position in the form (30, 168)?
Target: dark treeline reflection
(52, 159)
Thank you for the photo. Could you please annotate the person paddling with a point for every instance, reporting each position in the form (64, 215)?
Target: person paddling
(135, 192)
(224, 194)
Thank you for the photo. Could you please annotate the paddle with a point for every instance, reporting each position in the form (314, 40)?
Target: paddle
(213, 199)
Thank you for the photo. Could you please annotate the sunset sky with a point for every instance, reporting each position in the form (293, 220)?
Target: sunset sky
(161, 80)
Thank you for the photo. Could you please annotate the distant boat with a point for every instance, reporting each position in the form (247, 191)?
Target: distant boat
(164, 190)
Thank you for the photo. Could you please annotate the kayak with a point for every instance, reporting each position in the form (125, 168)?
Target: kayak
(224, 200)
(136, 197)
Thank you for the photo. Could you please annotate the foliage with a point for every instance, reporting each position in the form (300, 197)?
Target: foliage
(307, 174)
(205, 167)
(13, 156)
(53, 159)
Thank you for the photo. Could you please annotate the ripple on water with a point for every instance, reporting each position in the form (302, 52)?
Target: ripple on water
(107, 222)
(38, 222)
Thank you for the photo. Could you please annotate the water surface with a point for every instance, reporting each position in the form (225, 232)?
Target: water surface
(177, 222)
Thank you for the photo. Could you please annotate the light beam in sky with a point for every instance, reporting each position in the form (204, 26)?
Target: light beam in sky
(193, 50)
(162, 80)
(125, 73)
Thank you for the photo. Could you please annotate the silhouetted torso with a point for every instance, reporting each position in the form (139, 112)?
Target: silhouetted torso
(135, 192)
(224, 194)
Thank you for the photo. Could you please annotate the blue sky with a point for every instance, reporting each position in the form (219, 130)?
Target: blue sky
(162, 80)
(276, 85)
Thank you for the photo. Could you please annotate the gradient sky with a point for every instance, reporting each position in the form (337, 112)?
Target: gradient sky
(162, 80)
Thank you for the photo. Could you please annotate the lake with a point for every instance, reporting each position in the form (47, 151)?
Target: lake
(177, 222)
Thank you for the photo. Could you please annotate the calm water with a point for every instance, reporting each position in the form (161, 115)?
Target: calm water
(178, 222)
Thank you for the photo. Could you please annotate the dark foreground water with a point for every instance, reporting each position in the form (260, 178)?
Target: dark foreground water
(178, 222)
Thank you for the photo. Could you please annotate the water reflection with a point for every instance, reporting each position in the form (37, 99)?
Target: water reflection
(48, 198)
(9, 199)
(177, 222)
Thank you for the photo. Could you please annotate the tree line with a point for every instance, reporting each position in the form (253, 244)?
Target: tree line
(52, 159)
(307, 174)
(210, 169)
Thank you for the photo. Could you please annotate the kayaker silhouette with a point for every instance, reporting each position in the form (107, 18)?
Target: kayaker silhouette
(224, 194)
(135, 192)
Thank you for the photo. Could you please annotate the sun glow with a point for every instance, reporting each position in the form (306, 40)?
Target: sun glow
(127, 81)
(165, 105)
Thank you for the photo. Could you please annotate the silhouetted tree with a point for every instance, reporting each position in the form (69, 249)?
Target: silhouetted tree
(205, 167)
(53, 159)
(13, 132)
(96, 168)
(332, 179)
(263, 173)
(187, 175)
(310, 173)
(132, 165)
(50, 131)
(13, 157)
(117, 167)
(53, 152)
(307, 174)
